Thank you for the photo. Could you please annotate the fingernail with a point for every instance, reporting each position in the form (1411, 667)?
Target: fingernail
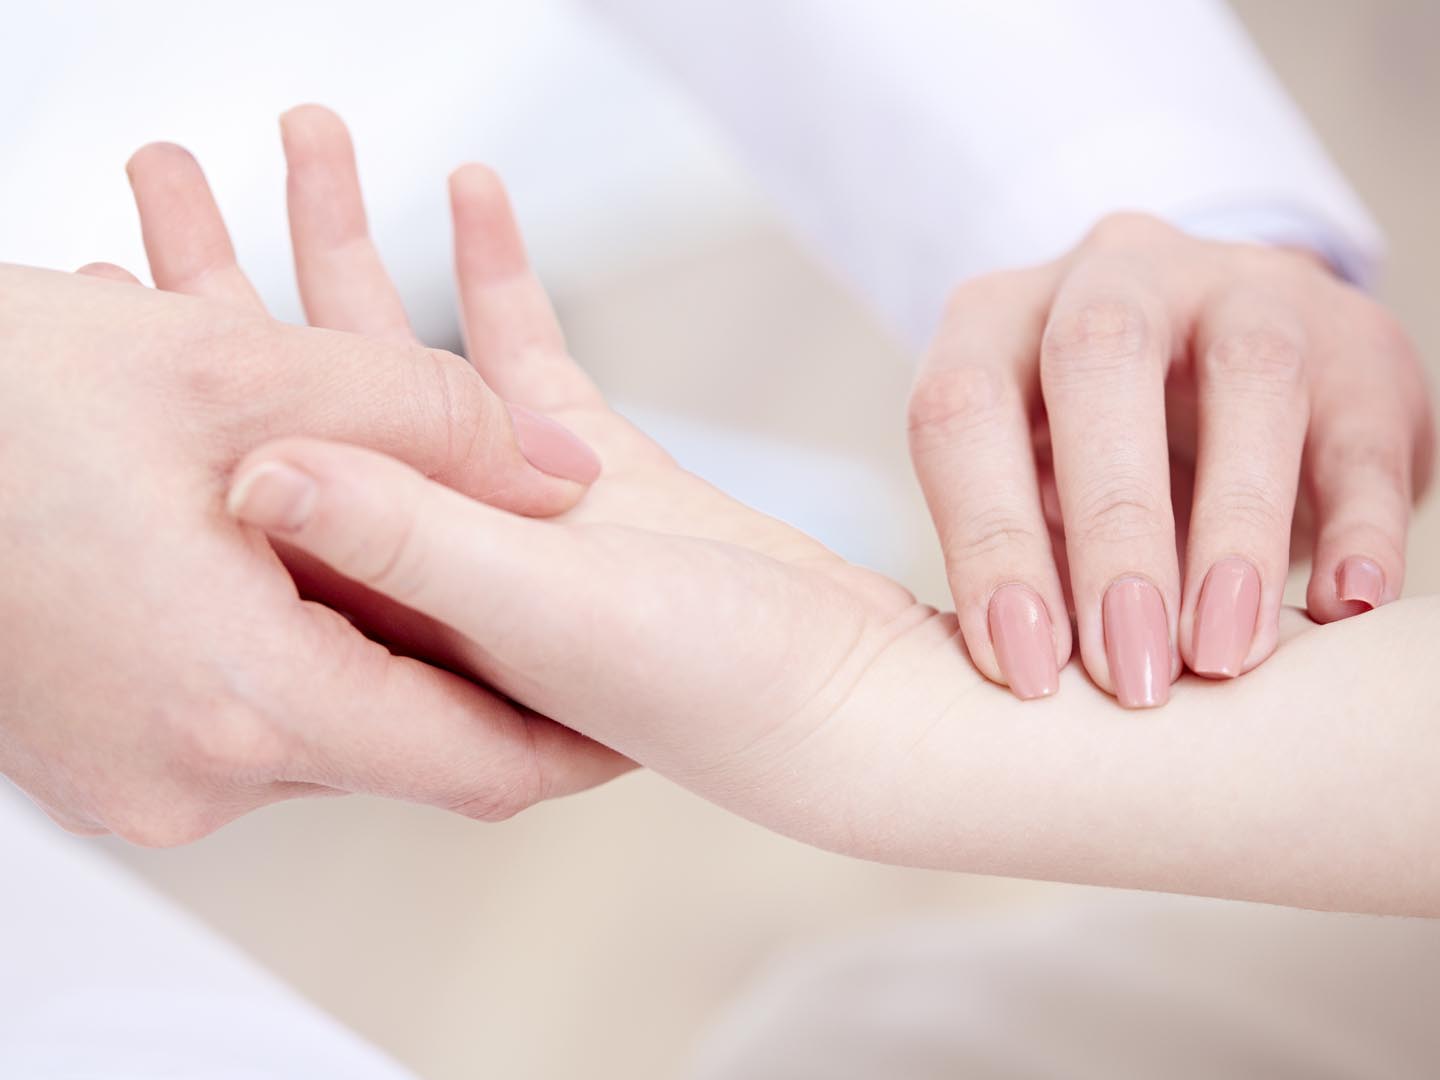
(273, 496)
(553, 448)
(1361, 580)
(1225, 618)
(1137, 643)
(1024, 646)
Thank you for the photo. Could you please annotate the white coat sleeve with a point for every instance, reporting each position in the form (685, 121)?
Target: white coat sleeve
(915, 143)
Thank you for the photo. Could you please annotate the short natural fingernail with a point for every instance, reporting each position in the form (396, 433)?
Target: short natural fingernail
(1137, 643)
(1225, 618)
(273, 496)
(1024, 645)
(1361, 580)
(553, 448)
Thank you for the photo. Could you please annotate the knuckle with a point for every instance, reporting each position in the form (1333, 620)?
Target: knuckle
(981, 292)
(230, 740)
(986, 535)
(1381, 464)
(500, 802)
(1248, 508)
(1263, 357)
(161, 826)
(948, 401)
(1120, 511)
(227, 365)
(1125, 228)
(451, 395)
(1105, 335)
(512, 790)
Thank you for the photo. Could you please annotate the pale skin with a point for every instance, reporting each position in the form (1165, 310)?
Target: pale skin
(658, 616)
(748, 663)
(160, 675)
(1252, 371)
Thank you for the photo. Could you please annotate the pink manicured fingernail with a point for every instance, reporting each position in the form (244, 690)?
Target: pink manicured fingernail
(1361, 580)
(1024, 647)
(1137, 643)
(1225, 618)
(553, 448)
(273, 496)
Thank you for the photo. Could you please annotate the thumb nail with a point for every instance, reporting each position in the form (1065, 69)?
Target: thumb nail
(553, 448)
(273, 496)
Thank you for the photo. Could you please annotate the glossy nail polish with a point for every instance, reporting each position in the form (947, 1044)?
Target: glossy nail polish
(1225, 618)
(553, 448)
(1137, 643)
(1024, 645)
(1360, 579)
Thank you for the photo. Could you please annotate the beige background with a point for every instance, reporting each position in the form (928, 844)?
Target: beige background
(594, 937)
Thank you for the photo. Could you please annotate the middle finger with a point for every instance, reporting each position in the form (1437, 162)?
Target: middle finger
(1103, 362)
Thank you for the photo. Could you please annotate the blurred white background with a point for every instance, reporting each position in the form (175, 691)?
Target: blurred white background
(593, 937)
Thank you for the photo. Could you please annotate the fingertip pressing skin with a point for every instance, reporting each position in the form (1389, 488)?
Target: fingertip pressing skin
(1137, 643)
(553, 448)
(1360, 580)
(1020, 629)
(1225, 618)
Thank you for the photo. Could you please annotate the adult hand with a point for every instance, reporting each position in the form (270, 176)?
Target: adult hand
(1042, 405)
(742, 659)
(632, 583)
(161, 675)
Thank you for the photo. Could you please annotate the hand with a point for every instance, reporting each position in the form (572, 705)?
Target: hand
(1044, 400)
(656, 560)
(748, 663)
(160, 674)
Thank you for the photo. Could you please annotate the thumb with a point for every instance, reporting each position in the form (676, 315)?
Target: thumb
(574, 622)
(428, 408)
(381, 523)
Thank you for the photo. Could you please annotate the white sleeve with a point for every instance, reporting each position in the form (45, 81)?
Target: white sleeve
(915, 143)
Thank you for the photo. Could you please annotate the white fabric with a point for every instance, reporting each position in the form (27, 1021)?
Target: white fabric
(103, 979)
(919, 142)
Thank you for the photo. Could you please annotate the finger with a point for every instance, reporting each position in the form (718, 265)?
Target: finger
(426, 407)
(391, 726)
(343, 283)
(1253, 408)
(108, 271)
(1103, 361)
(571, 620)
(970, 441)
(185, 237)
(1359, 470)
(512, 335)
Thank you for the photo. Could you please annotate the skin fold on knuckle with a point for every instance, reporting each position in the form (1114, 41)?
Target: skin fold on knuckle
(1098, 339)
(1263, 361)
(500, 800)
(954, 404)
(450, 396)
(1248, 508)
(985, 536)
(1118, 511)
(1359, 462)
